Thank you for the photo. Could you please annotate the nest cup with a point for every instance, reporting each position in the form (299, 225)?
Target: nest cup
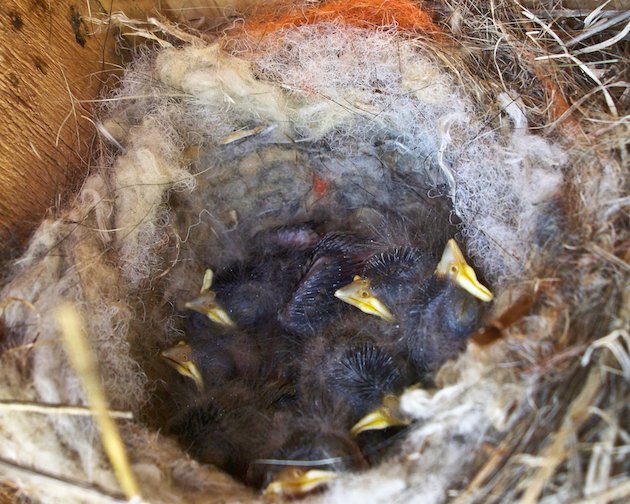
(336, 110)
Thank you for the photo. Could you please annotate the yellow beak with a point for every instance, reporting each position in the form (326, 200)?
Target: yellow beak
(296, 482)
(206, 304)
(453, 265)
(180, 358)
(359, 294)
(388, 415)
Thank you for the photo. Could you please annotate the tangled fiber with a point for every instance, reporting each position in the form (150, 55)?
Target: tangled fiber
(259, 125)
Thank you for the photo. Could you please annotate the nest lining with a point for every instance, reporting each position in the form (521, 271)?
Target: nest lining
(130, 248)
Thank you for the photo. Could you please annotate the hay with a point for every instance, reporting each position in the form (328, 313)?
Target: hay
(207, 141)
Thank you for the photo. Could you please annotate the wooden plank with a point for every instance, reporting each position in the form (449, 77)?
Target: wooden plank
(47, 56)
(191, 10)
(51, 61)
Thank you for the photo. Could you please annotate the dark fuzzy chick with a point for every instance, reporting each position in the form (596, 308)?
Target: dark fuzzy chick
(212, 355)
(438, 325)
(336, 259)
(430, 302)
(353, 363)
(388, 282)
(232, 425)
(250, 292)
(317, 447)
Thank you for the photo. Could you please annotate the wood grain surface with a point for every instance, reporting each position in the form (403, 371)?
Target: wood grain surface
(54, 62)
(51, 63)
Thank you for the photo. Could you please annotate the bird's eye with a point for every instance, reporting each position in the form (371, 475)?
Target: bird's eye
(364, 294)
(295, 473)
(454, 269)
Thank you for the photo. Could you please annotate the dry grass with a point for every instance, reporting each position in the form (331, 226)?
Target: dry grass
(572, 442)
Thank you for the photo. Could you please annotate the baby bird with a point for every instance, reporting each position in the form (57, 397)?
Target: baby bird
(212, 355)
(251, 292)
(181, 358)
(217, 360)
(432, 309)
(391, 280)
(317, 448)
(439, 330)
(385, 416)
(352, 364)
(388, 282)
(308, 461)
(454, 270)
(334, 262)
(231, 425)
(446, 311)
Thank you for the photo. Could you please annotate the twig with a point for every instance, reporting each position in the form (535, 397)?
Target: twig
(616, 493)
(56, 409)
(497, 459)
(84, 363)
(608, 256)
(79, 489)
(566, 54)
(556, 451)
(569, 13)
(606, 43)
(614, 342)
(12, 299)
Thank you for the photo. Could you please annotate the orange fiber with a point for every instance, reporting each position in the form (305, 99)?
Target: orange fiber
(321, 186)
(560, 108)
(403, 14)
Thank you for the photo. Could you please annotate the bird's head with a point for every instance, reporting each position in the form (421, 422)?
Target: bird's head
(180, 357)
(454, 267)
(388, 281)
(360, 294)
(295, 482)
(206, 303)
(309, 461)
(385, 416)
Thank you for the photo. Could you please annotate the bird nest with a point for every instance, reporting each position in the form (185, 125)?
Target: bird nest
(334, 110)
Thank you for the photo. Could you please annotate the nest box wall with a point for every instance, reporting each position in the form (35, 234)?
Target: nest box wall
(55, 61)
(51, 65)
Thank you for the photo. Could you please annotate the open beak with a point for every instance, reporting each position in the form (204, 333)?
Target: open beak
(180, 358)
(359, 294)
(206, 304)
(457, 269)
(295, 482)
(388, 415)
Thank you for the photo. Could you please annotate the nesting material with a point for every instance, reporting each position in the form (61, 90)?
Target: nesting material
(405, 15)
(325, 119)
